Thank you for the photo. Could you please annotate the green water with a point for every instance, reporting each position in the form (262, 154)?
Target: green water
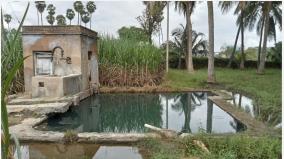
(183, 112)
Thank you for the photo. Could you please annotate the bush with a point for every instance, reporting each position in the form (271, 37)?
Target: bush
(202, 62)
(125, 62)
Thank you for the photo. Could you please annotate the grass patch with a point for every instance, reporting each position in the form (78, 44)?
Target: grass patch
(233, 147)
(264, 89)
(70, 136)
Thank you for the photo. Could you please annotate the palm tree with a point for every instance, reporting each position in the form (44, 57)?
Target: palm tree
(40, 5)
(211, 74)
(180, 43)
(50, 19)
(85, 17)
(60, 20)
(187, 8)
(51, 11)
(241, 11)
(70, 14)
(167, 51)
(8, 18)
(266, 11)
(256, 16)
(78, 6)
(91, 7)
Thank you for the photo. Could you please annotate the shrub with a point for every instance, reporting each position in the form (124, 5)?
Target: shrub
(202, 62)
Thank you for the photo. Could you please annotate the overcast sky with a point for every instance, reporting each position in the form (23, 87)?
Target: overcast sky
(112, 15)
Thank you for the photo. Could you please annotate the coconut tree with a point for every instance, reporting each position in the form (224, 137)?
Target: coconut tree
(40, 5)
(51, 11)
(187, 7)
(168, 35)
(70, 15)
(266, 10)
(211, 74)
(91, 7)
(256, 17)
(78, 6)
(61, 20)
(180, 43)
(85, 17)
(7, 18)
(241, 11)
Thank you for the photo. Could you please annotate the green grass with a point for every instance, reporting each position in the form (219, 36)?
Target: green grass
(233, 147)
(264, 89)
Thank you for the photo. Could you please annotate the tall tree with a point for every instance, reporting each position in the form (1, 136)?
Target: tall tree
(151, 17)
(50, 19)
(91, 7)
(40, 5)
(51, 11)
(187, 8)
(256, 17)
(168, 35)
(211, 74)
(132, 33)
(61, 20)
(8, 18)
(241, 10)
(70, 15)
(78, 6)
(179, 44)
(85, 17)
(266, 10)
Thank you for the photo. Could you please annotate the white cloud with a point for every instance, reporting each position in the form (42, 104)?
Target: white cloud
(111, 15)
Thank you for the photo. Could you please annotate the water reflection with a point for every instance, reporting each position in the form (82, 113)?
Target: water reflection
(183, 112)
(79, 151)
(245, 103)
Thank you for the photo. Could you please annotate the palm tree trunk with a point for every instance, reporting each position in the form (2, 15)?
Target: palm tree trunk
(167, 56)
(211, 74)
(37, 18)
(179, 61)
(261, 66)
(78, 18)
(70, 21)
(91, 22)
(260, 40)
(242, 64)
(41, 18)
(189, 37)
(240, 101)
(209, 115)
(234, 50)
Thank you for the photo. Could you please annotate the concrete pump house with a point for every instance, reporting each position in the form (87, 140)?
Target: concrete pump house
(62, 60)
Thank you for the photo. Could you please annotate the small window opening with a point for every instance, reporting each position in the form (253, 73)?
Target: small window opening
(41, 84)
(89, 55)
(43, 63)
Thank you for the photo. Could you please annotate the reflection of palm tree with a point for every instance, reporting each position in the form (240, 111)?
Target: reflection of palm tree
(209, 116)
(186, 103)
(186, 100)
(238, 126)
(240, 100)
(196, 98)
